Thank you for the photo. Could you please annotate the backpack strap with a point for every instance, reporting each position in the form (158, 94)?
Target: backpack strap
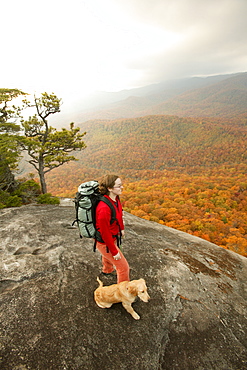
(113, 211)
(113, 218)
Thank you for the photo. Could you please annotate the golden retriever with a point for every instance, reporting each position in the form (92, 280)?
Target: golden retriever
(125, 292)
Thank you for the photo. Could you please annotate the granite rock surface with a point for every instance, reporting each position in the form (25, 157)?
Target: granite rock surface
(196, 318)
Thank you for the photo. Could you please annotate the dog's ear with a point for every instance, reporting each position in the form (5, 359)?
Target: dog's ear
(132, 289)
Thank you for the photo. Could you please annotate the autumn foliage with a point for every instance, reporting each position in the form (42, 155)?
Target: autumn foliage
(212, 206)
(188, 174)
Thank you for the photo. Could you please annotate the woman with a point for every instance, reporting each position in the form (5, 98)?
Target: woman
(112, 258)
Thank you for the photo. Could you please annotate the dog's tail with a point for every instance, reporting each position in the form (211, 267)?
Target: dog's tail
(99, 281)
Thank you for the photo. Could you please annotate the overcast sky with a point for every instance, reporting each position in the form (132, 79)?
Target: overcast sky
(78, 46)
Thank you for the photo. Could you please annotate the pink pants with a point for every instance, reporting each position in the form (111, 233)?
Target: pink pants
(109, 264)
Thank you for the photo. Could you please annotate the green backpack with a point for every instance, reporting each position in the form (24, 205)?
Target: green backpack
(86, 201)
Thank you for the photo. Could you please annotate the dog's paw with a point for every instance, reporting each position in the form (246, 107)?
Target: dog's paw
(136, 316)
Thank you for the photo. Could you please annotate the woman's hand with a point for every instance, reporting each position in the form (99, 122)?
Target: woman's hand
(117, 256)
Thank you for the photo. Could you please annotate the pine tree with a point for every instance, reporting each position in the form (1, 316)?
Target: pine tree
(9, 149)
(47, 147)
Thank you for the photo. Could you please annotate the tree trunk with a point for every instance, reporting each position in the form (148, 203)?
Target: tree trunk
(42, 176)
(42, 183)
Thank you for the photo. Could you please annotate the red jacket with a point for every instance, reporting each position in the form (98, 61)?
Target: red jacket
(107, 230)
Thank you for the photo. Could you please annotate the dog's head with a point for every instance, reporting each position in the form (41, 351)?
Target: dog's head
(138, 288)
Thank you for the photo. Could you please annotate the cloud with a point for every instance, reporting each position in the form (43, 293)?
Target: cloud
(211, 37)
(79, 46)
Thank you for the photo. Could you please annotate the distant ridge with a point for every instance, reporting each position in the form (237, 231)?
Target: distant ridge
(226, 99)
(213, 96)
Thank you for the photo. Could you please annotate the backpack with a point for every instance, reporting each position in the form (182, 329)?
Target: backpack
(86, 200)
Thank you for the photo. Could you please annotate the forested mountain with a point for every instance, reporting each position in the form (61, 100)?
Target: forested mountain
(156, 143)
(216, 96)
(186, 173)
(226, 99)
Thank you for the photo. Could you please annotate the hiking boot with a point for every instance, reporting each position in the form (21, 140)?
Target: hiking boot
(113, 273)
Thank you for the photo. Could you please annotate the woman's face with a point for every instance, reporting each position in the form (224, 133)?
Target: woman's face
(117, 188)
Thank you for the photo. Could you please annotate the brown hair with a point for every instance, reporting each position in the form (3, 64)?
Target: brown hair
(107, 181)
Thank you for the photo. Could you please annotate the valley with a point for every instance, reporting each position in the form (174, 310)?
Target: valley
(186, 169)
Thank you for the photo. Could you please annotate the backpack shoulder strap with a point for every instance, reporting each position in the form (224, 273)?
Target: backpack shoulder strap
(113, 211)
(113, 218)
